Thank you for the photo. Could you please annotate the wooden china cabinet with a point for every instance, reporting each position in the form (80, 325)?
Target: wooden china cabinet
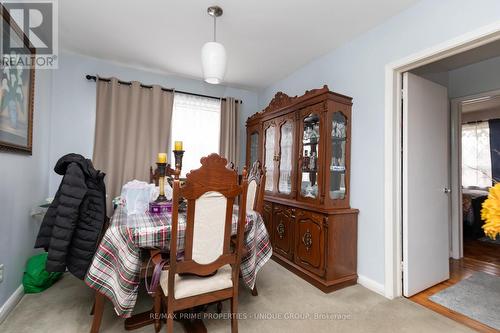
(304, 143)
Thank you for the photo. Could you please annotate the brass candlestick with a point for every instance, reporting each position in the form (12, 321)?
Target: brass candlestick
(178, 154)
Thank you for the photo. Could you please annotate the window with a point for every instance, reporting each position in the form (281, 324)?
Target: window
(476, 158)
(195, 122)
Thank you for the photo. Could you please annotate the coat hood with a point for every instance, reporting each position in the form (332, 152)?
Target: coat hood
(84, 163)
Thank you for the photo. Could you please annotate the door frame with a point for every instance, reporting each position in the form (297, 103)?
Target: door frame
(457, 232)
(393, 201)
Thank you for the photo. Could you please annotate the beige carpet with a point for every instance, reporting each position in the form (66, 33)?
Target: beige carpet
(65, 308)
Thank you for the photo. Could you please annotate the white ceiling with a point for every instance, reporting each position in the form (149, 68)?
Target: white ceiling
(265, 39)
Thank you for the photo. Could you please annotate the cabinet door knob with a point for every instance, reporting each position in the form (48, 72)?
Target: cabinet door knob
(281, 230)
(307, 240)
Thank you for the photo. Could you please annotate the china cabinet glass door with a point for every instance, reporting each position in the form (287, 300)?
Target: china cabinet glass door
(310, 137)
(285, 157)
(337, 186)
(269, 157)
(254, 148)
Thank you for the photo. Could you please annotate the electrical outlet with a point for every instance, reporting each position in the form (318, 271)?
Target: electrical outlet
(1, 273)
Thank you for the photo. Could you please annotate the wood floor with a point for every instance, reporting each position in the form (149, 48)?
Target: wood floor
(478, 257)
(482, 251)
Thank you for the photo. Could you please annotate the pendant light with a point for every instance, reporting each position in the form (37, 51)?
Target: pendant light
(213, 54)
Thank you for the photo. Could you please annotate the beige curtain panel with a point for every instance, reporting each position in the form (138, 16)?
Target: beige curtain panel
(132, 127)
(229, 131)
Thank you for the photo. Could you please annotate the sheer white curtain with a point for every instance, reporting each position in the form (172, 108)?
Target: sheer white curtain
(476, 158)
(196, 122)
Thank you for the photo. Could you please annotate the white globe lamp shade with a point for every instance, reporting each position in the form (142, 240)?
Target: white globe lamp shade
(213, 62)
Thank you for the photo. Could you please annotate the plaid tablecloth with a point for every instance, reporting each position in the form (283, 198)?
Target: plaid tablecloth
(115, 269)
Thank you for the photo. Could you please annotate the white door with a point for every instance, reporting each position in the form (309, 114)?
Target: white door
(426, 198)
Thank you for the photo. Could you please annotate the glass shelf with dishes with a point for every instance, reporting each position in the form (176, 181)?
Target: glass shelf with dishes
(310, 151)
(338, 154)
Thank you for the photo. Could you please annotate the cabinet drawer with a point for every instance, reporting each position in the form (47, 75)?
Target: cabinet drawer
(310, 241)
(283, 230)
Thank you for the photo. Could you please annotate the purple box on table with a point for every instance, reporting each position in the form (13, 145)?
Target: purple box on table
(160, 207)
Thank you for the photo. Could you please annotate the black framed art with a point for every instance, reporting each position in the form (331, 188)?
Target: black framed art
(17, 83)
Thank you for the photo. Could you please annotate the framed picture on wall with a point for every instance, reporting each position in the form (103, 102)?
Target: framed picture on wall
(17, 81)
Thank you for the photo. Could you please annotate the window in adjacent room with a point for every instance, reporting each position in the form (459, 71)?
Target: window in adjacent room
(196, 122)
(476, 155)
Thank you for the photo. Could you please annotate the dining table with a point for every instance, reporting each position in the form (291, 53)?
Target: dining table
(115, 271)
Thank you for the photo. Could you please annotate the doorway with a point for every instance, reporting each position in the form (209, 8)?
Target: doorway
(433, 170)
(476, 119)
(393, 137)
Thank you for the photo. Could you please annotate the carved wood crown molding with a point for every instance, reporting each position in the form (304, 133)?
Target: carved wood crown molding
(282, 100)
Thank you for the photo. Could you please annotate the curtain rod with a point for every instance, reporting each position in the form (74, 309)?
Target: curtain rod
(94, 78)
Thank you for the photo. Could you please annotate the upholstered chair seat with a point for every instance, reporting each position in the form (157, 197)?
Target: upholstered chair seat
(193, 285)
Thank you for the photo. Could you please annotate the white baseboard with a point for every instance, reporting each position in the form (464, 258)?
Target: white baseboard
(371, 284)
(11, 303)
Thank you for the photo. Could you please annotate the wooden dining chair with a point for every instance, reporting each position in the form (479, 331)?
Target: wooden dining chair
(255, 196)
(210, 269)
(255, 199)
(256, 181)
(154, 176)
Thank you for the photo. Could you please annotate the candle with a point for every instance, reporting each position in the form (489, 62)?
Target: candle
(178, 145)
(162, 157)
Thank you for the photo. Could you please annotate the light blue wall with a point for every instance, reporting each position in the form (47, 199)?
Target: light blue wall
(73, 114)
(357, 69)
(474, 79)
(24, 184)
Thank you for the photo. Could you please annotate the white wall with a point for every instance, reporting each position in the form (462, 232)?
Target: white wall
(73, 114)
(357, 69)
(23, 185)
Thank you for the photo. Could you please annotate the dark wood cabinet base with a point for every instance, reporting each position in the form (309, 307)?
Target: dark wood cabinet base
(318, 282)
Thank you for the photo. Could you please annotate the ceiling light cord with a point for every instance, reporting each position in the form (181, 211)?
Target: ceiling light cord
(215, 28)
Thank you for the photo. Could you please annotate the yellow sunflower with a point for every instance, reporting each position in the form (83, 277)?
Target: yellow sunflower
(491, 212)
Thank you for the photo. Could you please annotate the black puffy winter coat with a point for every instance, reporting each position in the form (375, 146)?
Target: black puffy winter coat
(73, 223)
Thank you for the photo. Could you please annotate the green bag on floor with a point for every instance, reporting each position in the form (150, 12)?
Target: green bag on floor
(36, 279)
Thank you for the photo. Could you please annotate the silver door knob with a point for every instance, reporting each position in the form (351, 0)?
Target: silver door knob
(447, 190)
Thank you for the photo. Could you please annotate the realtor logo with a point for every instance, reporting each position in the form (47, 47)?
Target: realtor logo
(29, 34)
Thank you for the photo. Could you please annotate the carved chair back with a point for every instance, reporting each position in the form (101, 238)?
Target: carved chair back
(210, 192)
(256, 181)
(154, 176)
